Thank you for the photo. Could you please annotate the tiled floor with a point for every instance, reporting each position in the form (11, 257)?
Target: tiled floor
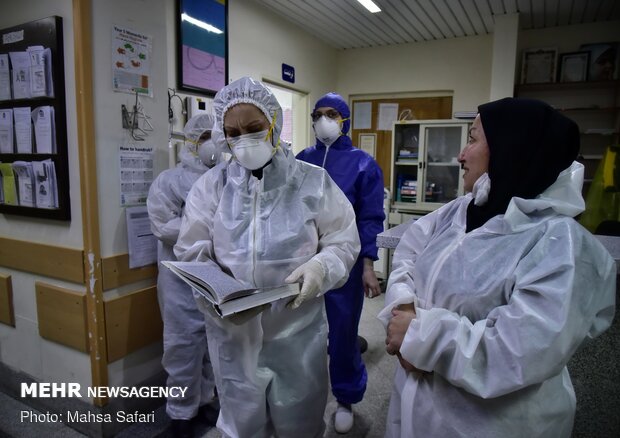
(369, 414)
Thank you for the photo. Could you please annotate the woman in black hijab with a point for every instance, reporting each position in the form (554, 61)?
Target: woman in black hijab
(490, 295)
(530, 144)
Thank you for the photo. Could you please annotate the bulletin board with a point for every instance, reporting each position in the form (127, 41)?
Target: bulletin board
(38, 153)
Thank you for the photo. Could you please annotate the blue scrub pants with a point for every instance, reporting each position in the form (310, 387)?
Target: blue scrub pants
(344, 309)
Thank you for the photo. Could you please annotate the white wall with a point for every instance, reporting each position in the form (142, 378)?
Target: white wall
(459, 64)
(148, 18)
(21, 347)
(505, 36)
(261, 41)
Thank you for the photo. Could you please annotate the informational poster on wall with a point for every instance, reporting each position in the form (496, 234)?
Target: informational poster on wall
(141, 242)
(362, 115)
(131, 61)
(136, 173)
(368, 143)
(388, 114)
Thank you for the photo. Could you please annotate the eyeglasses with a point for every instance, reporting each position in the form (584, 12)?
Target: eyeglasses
(332, 114)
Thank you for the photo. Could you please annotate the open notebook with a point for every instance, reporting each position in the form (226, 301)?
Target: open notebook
(227, 294)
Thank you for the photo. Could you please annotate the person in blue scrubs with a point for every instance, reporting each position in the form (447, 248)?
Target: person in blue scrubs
(360, 178)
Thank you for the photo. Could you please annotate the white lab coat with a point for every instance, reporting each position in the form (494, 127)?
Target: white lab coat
(271, 372)
(500, 311)
(186, 357)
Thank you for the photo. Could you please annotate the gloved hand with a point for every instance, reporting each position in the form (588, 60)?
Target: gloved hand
(243, 317)
(312, 275)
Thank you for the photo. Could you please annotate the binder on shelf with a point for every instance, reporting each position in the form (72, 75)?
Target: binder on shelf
(407, 154)
(6, 131)
(46, 191)
(44, 129)
(23, 130)
(20, 79)
(40, 71)
(5, 77)
(9, 192)
(25, 183)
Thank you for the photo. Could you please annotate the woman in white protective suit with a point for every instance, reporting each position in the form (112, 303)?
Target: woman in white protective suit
(186, 357)
(492, 294)
(267, 219)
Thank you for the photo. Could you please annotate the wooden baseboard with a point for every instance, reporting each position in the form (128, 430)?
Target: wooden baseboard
(115, 272)
(132, 321)
(7, 315)
(47, 260)
(62, 316)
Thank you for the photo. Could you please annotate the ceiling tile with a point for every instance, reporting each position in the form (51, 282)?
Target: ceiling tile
(345, 24)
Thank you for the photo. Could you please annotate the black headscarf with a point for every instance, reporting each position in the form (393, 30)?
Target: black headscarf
(530, 143)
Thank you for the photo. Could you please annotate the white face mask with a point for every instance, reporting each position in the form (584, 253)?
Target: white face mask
(481, 189)
(253, 150)
(327, 130)
(207, 153)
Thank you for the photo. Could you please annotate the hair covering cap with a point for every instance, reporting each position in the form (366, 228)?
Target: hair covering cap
(198, 125)
(530, 143)
(245, 90)
(337, 102)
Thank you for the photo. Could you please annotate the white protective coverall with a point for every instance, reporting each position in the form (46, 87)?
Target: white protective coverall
(186, 357)
(500, 311)
(271, 372)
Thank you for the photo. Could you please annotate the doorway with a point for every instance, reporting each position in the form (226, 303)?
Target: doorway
(295, 116)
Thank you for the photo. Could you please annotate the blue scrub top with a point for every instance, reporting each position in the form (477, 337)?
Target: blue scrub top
(360, 178)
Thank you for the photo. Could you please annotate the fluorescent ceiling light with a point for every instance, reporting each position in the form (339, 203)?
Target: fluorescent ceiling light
(199, 23)
(370, 5)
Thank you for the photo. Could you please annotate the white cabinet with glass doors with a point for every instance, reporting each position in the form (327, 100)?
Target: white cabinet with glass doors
(425, 170)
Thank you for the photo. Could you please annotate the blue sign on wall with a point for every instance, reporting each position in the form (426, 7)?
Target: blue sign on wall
(288, 73)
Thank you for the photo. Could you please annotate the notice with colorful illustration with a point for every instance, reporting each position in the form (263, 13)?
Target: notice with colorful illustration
(131, 61)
